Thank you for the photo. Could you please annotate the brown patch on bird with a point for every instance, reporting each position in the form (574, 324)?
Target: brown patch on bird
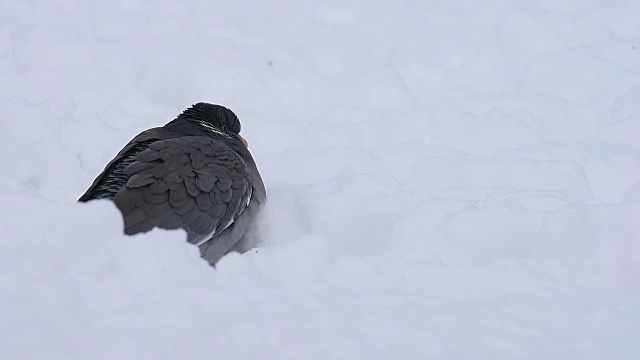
(246, 144)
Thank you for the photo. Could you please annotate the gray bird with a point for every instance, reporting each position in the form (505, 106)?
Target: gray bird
(194, 173)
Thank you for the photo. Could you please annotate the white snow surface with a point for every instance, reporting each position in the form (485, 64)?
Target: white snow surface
(447, 179)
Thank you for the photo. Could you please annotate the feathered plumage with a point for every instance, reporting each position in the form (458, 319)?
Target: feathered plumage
(194, 173)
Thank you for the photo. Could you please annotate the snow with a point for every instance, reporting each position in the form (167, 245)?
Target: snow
(446, 179)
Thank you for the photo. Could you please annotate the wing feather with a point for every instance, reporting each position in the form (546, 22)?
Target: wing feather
(164, 179)
(206, 193)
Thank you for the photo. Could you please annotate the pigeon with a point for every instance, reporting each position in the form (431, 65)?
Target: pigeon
(194, 173)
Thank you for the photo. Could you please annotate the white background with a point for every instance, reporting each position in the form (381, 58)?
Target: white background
(447, 179)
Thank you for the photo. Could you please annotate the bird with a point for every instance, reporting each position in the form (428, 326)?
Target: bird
(194, 173)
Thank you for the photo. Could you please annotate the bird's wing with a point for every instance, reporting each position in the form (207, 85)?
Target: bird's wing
(193, 182)
(238, 236)
(112, 178)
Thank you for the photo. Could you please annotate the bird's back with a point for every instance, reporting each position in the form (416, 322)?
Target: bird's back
(196, 180)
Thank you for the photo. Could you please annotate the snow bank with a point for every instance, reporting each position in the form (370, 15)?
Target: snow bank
(445, 179)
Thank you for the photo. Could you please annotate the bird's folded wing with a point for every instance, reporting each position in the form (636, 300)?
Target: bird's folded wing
(112, 178)
(194, 182)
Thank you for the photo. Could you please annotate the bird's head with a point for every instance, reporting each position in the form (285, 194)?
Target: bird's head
(215, 118)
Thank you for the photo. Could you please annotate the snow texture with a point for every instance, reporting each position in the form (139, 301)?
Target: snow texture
(446, 179)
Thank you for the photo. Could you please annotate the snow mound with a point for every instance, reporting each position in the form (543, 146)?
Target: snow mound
(445, 179)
